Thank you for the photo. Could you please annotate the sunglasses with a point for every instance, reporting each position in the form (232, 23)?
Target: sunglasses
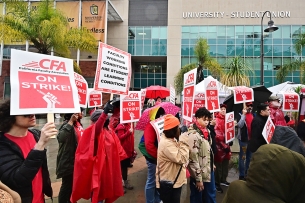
(29, 116)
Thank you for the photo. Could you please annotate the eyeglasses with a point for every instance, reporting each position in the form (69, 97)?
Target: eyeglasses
(29, 116)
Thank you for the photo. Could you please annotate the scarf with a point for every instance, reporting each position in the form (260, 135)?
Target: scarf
(204, 131)
(249, 118)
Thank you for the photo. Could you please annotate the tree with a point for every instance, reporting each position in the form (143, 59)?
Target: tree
(46, 28)
(236, 72)
(205, 61)
(297, 64)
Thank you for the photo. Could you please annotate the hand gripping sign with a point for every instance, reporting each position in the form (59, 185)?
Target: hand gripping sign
(268, 130)
(188, 94)
(291, 101)
(82, 88)
(94, 98)
(211, 94)
(42, 84)
(243, 94)
(229, 127)
(158, 125)
(113, 70)
(130, 110)
(172, 94)
(199, 101)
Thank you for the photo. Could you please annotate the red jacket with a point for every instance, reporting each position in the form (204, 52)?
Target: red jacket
(114, 119)
(150, 139)
(98, 176)
(221, 145)
(277, 116)
(126, 137)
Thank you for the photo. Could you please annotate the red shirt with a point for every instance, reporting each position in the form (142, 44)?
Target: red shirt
(79, 130)
(26, 144)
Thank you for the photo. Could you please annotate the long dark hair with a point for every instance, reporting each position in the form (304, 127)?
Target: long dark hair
(6, 120)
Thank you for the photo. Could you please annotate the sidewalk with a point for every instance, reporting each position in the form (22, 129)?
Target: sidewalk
(137, 174)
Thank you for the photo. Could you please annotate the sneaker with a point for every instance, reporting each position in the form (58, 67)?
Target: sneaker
(219, 189)
(241, 178)
(127, 185)
(130, 166)
(225, 184)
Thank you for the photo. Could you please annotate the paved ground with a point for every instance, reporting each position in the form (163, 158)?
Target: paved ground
(137, 174)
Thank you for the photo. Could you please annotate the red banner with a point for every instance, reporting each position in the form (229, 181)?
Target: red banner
(199, 101)
(268, 130)
(82, 88)
(229, 127)
(188, 94)
(143, 95)
(291, 102)
(130, 110)
(243, 94)
(212, 94)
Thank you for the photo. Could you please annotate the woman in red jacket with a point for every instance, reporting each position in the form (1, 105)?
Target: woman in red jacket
(125, 133)
(223, 154)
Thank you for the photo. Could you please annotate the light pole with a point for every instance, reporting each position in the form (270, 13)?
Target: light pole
(271, 28)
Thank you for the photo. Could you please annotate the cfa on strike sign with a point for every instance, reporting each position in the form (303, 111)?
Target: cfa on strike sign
(229, 127)
(130, 107)
(82, 88)
(268, 130)
(94, 98)
(188, 94)
(291, 101)
(243, 94)
(42, 84)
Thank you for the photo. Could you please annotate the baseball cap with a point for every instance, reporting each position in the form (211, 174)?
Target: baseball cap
(249, 104)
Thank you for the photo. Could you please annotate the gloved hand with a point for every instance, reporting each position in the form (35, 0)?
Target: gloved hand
(231, 143)
(108, 108)
(227, 150)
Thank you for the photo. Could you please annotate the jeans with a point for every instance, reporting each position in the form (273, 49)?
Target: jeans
(208, 195)
(151, 193)
(243, 151)
(65, 189)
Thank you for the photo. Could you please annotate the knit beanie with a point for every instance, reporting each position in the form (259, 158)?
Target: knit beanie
(170, 122)
(95, 115)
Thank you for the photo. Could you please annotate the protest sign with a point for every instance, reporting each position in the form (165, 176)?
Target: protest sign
(82, 88)
(172, 96)
(211, 94)
(229, 127)
(42, 84)
(188, 94)
(268, 130)
(94, 98)
(199, 101)
(291, 101)
(113, 70)
(143, 95)
(243, 94)
(158, 125)
(130, 107)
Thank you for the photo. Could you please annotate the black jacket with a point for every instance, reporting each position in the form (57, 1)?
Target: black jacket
(17, 173)
(66, 151)
(257, 127)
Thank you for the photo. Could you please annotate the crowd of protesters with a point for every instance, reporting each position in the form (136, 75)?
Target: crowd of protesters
(93, 162)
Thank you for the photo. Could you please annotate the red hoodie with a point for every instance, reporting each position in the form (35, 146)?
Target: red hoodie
(220, 140)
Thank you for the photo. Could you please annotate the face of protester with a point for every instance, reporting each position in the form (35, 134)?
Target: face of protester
(249, 108)
(266, 112)
(204, 121)
(275, 103)
(223, 111)
(25, 121)
(159, 99)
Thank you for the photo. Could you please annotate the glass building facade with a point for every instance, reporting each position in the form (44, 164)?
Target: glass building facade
(148, 41)
(229, 41)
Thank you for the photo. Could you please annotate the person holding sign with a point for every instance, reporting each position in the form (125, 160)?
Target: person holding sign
(223, 154)
(257, 126)
(68, 137)
(276, 114)
(23, 159)
(201, 165)
(173, 156)
(243, 136)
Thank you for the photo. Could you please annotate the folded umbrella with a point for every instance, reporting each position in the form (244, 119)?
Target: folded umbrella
(152, 92)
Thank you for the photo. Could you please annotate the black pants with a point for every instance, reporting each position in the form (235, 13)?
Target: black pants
(65, 189)
(175, 196)
(124, 168)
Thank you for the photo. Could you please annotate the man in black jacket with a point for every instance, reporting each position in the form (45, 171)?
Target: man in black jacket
(257, 127)
(23, 161)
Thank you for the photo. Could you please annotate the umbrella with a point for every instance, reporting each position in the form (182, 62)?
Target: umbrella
(153, 92)
(261, 95)
(168, 107)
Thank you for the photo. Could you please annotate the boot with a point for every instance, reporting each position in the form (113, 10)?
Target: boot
(127, 185)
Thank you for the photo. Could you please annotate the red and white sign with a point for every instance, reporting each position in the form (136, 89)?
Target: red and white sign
(82, 88)
(199, 101)
(113, 70)
(243, 94)
(211, 94)
(42, 84)
(268, 130)
(291, 101)
(229, 127)
(172, 96)
(158, 125)
(143, 95)
(130, 107)
(95, 98)
(188, 94)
